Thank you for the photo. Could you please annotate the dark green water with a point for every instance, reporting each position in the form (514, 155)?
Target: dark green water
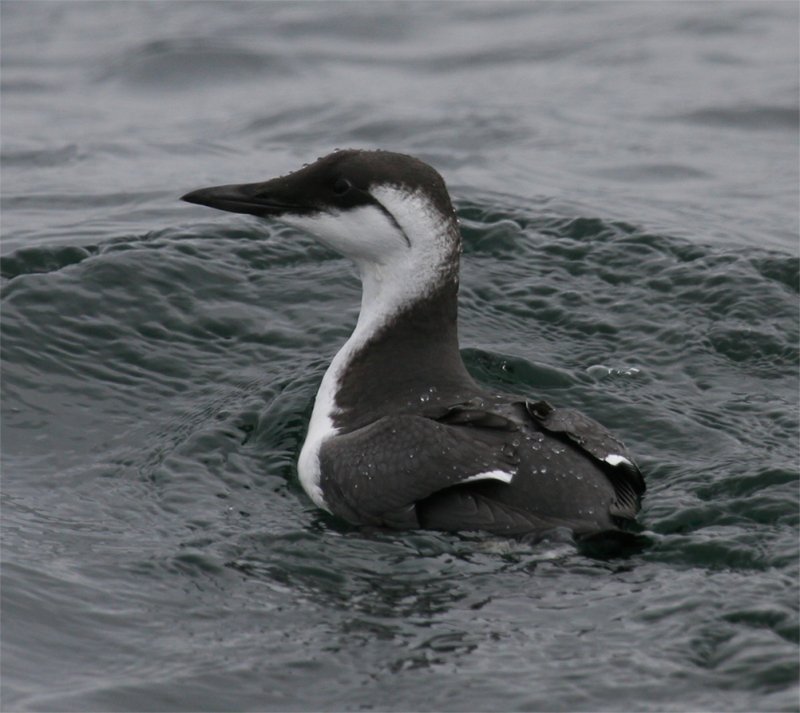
(626, 176)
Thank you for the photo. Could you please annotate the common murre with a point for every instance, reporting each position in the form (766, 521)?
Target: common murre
(401, 435)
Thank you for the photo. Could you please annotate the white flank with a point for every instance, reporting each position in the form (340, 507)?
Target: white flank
(320, 429)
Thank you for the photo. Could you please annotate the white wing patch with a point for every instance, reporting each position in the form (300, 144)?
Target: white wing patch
(615, 459)
(501, 475)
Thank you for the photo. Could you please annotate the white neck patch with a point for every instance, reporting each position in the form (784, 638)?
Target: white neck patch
(396, 266)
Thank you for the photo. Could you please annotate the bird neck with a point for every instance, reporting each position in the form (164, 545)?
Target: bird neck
(403, 350)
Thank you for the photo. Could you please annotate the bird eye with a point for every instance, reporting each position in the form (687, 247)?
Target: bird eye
(341, 186)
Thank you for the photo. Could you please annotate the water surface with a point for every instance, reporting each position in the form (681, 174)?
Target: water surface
(626, 176)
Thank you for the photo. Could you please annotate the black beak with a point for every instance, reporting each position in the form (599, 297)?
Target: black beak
(252, 198)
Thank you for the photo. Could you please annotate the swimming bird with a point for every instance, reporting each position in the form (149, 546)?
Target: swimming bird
(401, 436)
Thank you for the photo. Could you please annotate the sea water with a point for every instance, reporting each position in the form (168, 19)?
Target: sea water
(626, 176)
